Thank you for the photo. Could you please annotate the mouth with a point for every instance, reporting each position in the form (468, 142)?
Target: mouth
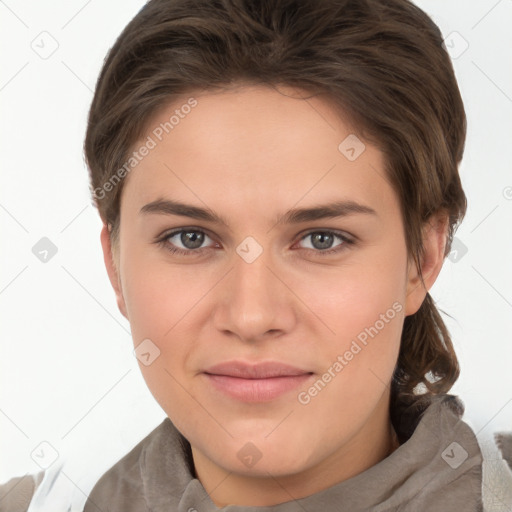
(260, 382)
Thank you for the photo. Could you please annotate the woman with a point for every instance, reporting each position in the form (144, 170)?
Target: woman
(279, 187)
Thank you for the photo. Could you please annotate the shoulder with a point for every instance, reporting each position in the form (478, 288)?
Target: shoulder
(122, 484)
(444, 414)
(16, 494)
(496, 468)
(79, 480)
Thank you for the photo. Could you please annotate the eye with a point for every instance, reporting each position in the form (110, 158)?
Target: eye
(321, 241)
(190, 239)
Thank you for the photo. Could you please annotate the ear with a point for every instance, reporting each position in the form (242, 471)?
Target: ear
(112, 270)
(434, 243)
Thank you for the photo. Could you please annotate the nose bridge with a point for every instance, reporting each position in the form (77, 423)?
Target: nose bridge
(254, 300)
(253, 284)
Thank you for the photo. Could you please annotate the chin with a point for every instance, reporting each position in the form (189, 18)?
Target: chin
(259, 457)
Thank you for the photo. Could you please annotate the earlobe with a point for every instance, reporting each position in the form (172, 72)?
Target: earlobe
(434, 243)
(112, 270)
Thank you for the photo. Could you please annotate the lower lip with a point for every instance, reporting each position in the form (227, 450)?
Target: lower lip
(256, 390)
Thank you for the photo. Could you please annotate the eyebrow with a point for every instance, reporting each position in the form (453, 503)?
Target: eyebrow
(293, 216)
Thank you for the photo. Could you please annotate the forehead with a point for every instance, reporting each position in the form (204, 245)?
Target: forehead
(254, 145)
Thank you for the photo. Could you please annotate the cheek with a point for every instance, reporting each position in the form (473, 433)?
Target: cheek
(363, 308)
(157, 295)
(163, 304)
(160, 306)
(359, 359)
(353, 297)
(366, 326)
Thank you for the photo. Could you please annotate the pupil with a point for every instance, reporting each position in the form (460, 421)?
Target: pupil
(195, 238)
(325, 240)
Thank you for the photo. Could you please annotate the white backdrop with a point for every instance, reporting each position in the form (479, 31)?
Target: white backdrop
(68, 375)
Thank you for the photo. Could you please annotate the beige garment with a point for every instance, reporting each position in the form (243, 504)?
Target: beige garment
(424, 474)
(16, 494)
(438, 469)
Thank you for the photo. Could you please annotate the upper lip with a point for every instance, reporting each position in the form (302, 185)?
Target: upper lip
(262, 370)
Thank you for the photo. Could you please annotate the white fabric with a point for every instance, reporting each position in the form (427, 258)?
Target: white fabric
(496, 477)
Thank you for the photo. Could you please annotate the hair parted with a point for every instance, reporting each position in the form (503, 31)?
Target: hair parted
(380, 63)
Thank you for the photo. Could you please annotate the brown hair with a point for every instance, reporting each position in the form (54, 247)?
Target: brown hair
(381, 63)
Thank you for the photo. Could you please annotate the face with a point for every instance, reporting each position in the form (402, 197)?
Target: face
(263, 274)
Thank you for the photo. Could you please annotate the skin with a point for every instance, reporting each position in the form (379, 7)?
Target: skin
(250, 154)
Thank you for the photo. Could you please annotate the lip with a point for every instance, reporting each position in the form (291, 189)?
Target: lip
(262, 370)
(261, 382)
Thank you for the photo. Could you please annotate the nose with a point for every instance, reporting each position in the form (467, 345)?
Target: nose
(254, 301)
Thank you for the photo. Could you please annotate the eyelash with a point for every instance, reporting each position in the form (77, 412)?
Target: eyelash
(164, 242)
